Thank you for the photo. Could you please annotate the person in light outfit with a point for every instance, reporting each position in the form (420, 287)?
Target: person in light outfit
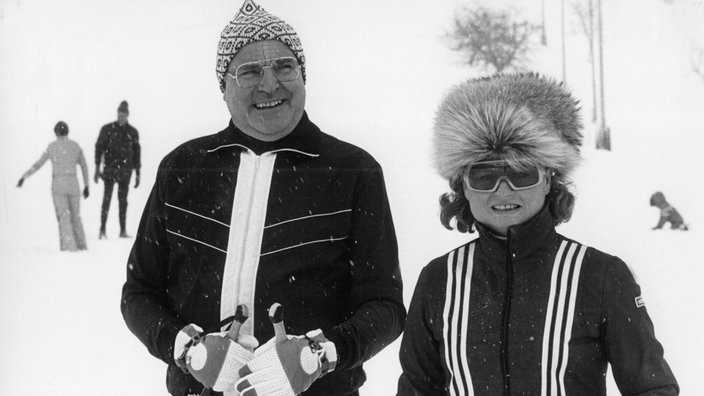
(521, 310)
(269, 212)
(65, 155)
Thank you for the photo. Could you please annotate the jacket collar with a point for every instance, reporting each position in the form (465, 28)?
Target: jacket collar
(522, 240)
(305, 139)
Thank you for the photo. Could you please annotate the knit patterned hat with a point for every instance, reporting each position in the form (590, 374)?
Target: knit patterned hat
(253, 23)
(523, 118)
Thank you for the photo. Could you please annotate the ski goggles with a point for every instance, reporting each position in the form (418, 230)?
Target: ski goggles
(486, 176)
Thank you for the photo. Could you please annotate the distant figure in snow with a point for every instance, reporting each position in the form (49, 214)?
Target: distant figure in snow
(64, 155)
(118, 147)
(667, 213)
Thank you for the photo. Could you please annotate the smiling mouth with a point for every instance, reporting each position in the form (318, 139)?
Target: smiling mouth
(268, 105)
(505, 208)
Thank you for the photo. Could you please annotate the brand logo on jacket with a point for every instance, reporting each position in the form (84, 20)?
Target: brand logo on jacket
(640, 302)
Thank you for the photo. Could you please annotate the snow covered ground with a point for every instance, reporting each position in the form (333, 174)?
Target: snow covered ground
(376, 72)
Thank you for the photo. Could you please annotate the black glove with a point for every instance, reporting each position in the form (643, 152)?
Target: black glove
(136, 179)
(86, 193)
(19, 183)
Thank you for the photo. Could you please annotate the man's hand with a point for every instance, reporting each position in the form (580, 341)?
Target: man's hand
(20, 182)
(215, 358)
(185, 338)
(96, 178)
(136, 179)
(287, 365)
(86, 193)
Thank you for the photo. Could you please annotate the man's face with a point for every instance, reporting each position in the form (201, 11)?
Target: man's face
(121, 117)
(271, 109)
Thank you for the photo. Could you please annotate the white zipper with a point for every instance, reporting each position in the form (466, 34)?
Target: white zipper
(249, 208)
(243, 252)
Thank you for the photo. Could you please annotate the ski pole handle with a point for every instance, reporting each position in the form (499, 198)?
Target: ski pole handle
(276, 315)
(241, 315)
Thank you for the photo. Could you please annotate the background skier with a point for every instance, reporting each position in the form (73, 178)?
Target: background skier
(65, 155)
(668, 214)
(118, 149)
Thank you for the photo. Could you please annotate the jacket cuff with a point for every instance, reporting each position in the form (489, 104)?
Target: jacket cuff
(341, 340)
(166, 341)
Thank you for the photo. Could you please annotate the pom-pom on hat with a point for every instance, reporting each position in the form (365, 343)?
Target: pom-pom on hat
(524, 118)
(253, 23)
(123, 107)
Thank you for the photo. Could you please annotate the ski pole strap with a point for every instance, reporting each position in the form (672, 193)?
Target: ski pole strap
(206, 391)
(226, 322)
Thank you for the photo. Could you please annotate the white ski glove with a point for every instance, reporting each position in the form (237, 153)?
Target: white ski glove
(286, 365)
(215, 358)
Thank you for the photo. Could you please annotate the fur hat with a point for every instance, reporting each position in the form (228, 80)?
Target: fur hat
(253, 23)
(523, 118)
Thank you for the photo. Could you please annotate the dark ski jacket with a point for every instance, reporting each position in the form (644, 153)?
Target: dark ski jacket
(535, 314)
(303, 221)
(118, 146)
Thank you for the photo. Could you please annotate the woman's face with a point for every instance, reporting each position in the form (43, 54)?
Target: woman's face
(506, 206)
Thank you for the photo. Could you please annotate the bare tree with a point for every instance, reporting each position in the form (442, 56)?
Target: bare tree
(698, 62)
(585, 13)
(491, 38)
(543, 37)
(603, 140)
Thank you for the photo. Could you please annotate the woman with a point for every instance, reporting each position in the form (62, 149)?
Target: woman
(521, 309)
(65, 154)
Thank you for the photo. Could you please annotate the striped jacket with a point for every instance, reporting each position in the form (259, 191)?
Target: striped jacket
(303, 221)
(536, 314)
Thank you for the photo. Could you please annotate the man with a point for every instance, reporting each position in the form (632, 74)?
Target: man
(65, 155)
(118, 147)
(269, 210)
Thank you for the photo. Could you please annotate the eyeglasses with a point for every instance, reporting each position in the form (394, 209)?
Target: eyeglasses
(250, 74)
(486, 176)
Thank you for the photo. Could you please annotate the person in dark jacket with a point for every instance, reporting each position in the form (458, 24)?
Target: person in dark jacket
(270, 210)
(119, 151)
(521, 310)
(668, 213)
(65, 155)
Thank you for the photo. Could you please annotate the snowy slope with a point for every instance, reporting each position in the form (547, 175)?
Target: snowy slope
(377, 70)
